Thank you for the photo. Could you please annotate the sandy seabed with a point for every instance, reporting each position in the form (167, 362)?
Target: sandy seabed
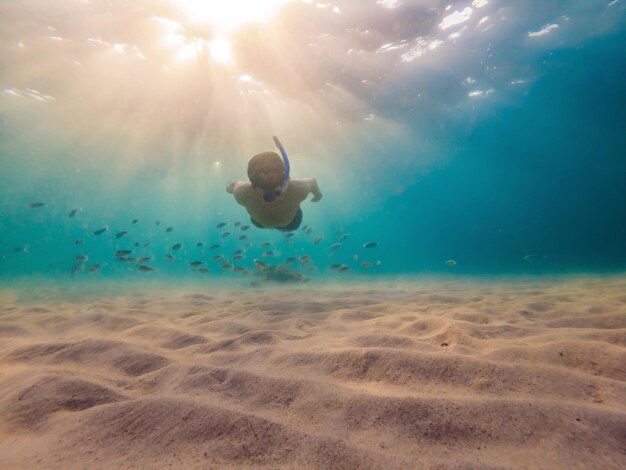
(409, 373)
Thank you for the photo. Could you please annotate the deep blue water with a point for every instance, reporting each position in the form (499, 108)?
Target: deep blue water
(547, 177)
(532, 183)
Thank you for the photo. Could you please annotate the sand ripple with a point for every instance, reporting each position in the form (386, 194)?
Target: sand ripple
(436, 374)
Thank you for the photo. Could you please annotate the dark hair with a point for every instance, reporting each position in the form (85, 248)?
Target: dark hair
(266, 170)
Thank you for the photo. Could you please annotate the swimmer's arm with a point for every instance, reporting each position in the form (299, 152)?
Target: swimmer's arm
(315, 189)
(234, 185)
(306, 186)
(242, 192)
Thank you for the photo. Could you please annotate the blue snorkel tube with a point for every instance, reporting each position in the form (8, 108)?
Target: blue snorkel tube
(283, 186)
(285, 159)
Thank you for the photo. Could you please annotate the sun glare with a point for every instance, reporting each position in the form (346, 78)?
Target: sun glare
(229, 15)
(189, 50)
(225, 17)
(221, 50)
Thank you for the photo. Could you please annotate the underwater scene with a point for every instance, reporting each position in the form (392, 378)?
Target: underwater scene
(302, 234)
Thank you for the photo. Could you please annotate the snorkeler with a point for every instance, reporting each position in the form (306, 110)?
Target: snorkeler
(271, 197)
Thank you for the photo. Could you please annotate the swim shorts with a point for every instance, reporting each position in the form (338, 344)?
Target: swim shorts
(293, 225)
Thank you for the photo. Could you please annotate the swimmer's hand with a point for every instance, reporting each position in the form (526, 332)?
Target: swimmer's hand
(317, 194)
(230, 187)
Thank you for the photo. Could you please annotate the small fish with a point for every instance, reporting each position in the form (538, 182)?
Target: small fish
(225, 234)
(221, 224)
(366, 264)
(317, 239)
(237, 224)
(93, 268)
(137, 244)
(237, 252)
(291, 260)
(335, 246)
(239, 269)
(216, 257)
(157, 223)
(304, 258)
(227, 267)
(450, 262)
(335, 267)
(170, 258)
(243, 237)
(343, 268)
(144, 268)
(195, 264)
(304, 228)
(169, 229)
(267, 254)
(119, 253)
(244, 227)
(370, 244)
(343, 237)
(199, 244)
(176, 246)
(129, 260)
(238, 257)
(338, 231)
(258, 262)
(309, 230)
(266, 244)
(135, 221)
(73, 212)
(100, 231)
(214, 247)
(34, 205)
(289, 234)
(203, 270)
(80, 241)
(143, 260)
(81, 257)
(120, 234)
(147, 245)
(77, 267)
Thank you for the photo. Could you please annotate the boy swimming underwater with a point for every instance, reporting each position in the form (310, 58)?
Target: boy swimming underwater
(272, 198)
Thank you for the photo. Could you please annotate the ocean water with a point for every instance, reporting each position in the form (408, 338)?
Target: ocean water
(456, 299)
(459, 138)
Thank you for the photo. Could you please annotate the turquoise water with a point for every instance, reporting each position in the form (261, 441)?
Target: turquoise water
(460, 138)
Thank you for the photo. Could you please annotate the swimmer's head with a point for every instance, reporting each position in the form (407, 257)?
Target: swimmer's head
(266, 171)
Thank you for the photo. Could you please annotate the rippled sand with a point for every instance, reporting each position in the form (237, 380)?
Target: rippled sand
(413, 373)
